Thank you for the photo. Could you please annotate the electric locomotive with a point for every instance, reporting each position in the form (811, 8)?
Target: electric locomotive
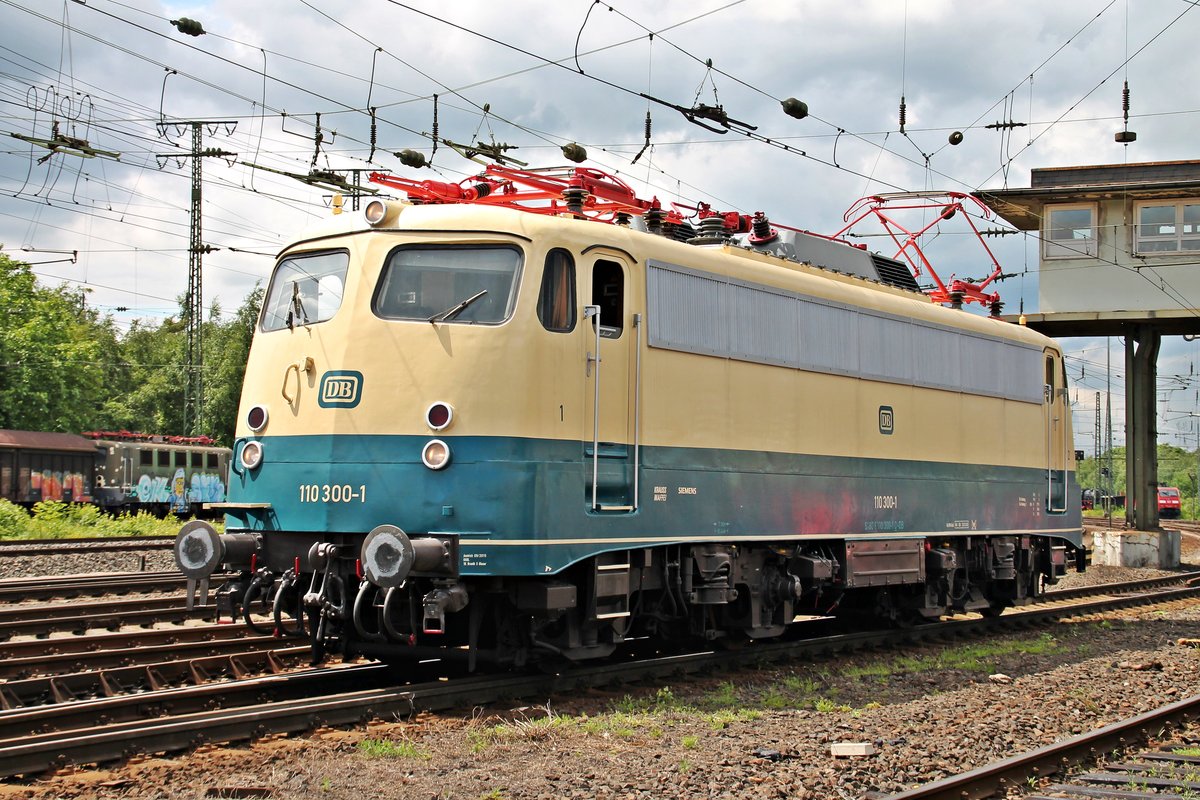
(532, 415)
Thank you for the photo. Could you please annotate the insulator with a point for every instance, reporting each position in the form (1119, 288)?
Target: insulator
(956, 138)
(654, 220)
(648, 126)
(711, 228)
(374, 136)
(795, 108)
(1125, 100)
(482, 189)
(574, 196)
(622, 219)
(574, 152)
(411, 158)
(995, 308)
(191, 27)
(762, 225)
(761, 230)
(903, 113)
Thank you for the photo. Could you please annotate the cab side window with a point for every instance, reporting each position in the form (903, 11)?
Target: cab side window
(608, 292)
(556, 301)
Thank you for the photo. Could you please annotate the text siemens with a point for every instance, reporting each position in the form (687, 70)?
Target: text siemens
(332, 493)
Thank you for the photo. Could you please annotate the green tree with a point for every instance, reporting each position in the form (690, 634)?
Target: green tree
(226, 348)
(55, 354)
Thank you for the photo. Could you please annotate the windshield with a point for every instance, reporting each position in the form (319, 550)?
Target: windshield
(445, 283)
(305, 289)
(1168, 493)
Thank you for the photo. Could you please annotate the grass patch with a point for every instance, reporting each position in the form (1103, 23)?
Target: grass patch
(1186, 751)
(389, 748)
(690, 742)
(974, 657)
(55, 520)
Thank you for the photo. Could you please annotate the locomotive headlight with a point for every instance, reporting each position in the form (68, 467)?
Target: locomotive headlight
(375, 212)
(439, 416)
(435, 454)
(251, 455)
(256, 418)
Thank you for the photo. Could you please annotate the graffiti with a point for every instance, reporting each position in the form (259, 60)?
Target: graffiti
(151, 489)
(206, 487)
(57, 485)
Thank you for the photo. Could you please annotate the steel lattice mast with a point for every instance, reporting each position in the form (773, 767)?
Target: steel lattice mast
(193, 312)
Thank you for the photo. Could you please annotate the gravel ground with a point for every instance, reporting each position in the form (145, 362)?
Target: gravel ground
(85, 563)
(927, 712)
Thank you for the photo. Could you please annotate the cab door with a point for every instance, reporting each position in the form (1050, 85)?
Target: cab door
(1057, 433)
(609, 342)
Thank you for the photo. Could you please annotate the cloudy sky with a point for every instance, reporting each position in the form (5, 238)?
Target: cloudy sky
(292, 82)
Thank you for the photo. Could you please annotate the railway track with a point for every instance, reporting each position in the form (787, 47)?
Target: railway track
(42, 620)
(1135, 778)
(67, 732)
(47, 587)
(96, 544)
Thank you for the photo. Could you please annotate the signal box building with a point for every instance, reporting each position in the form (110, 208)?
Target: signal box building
(1120, 247)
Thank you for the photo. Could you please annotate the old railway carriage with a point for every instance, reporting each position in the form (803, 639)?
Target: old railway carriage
(504, 434)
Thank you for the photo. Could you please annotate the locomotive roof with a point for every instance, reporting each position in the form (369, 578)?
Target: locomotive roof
(484, 220)
(43, 440)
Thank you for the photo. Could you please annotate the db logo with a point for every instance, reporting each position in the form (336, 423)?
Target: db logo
(887, 420)
(340, 389)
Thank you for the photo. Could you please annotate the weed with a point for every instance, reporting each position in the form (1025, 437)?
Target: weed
(685, 766)
(825, 705)
(724, 696)
(387, 748)
(795, 683)
(774, 699)
(690, 742)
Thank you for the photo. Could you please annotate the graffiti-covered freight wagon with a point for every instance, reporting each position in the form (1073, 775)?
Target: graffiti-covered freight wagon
(119, 471)
(36, 466)
(159, 473)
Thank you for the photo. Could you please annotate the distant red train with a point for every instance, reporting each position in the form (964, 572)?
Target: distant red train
(1169, 506)
(118, 471)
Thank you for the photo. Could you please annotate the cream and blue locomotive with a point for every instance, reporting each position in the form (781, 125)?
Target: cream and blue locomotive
(473, 430)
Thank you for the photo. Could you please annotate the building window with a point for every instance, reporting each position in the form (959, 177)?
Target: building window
(1070, 232)
(1168, 227)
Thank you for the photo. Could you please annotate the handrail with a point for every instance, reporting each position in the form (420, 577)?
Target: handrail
(594, 313)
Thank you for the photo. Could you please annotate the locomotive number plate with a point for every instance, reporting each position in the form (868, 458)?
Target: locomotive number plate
(332, 493)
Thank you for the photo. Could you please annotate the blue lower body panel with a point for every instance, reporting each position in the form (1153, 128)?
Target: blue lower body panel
(525, 507)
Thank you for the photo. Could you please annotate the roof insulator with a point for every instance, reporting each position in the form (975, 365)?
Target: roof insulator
(795, 108)
(411, 158)
(574, 152)
(191, 27)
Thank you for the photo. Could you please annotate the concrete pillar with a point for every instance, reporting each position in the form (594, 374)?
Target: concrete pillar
(1141, 427)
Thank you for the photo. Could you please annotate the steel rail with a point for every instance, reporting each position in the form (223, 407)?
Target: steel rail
(94, 644)
(238, 661)
(32, 753)
(1119, 587)
(45, 588)
(1054, 758)
(96, 662)
(38, 620)
(95, 544)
